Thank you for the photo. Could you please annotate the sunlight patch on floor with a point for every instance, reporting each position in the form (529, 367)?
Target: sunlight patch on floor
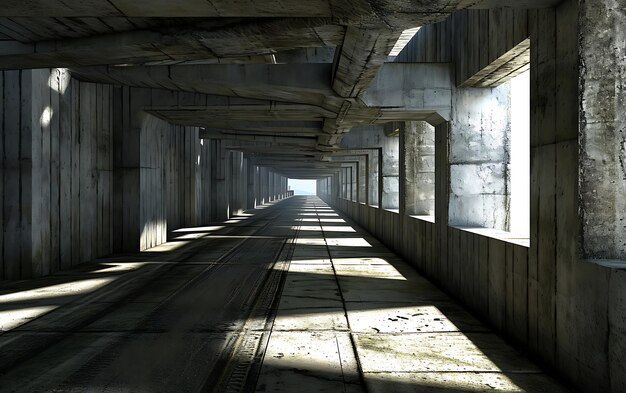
(168, 246)
(27, 304)
(201, 229)
(10, 319)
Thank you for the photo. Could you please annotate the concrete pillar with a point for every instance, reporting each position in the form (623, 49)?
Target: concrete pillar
(354, 181)
(276, 186)
(128, 117)
(417, 168)
(220, 191)
(602, 102)
(271, 193)
(478, 159)
(251, 187)
(265, 183)
(363, 178)
(391, 171)
(236, 182)
(258, 193)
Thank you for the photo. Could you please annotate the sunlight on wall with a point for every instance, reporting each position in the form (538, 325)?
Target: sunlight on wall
(46, 117)
(59, 80)
(520, 154)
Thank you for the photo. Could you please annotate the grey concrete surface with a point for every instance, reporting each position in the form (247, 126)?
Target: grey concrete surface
(287, 297)
(405, 334)
(112, 160)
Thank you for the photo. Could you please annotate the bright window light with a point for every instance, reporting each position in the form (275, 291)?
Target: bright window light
(520, 154)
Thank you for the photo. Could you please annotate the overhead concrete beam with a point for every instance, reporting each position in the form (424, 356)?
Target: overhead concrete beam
(303, 133)
(180, 8)
(263, 112)
(300, 128)
(194, 41)
(355, 11)
(297, 83)
(520, 4)
(363, 51)
(274, 140)
(412, 91)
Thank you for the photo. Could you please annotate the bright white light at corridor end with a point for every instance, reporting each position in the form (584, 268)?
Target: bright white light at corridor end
(302, 186)
(404, 39)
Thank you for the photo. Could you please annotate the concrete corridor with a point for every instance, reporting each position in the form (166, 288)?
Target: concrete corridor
(288, 297)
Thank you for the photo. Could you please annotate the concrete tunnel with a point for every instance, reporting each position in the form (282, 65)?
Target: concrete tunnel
(464, 229)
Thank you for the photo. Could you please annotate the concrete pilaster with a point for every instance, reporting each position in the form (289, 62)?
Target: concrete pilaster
(479, 154)
(417, 168)
(220, 192)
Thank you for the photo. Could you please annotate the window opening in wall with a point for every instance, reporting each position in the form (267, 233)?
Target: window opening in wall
(520, 155)
(303, 186)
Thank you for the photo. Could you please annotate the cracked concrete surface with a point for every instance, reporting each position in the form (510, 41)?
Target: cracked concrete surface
(291, 297)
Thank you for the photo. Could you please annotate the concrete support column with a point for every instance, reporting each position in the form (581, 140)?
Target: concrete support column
(252, 189)
(417, 168)
(340, 183)
(236, 182)
(363, 179)
(220, 191)
(277, 186)
(265, 183)
(257, 186)
(602, 103)
(391, 171)
(354, 181)
(329, 187)
(272, 195)
(128, 118)
(346, 183)
(479, 157)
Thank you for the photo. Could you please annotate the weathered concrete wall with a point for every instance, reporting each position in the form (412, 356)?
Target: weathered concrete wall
(472, 39)
(417, 168)
(479, 149)
(160, 172)
(175, 173)
(56, 166)
(374, 136)
(86, 172)
(166, 177)
(563, 309)
(603, 128)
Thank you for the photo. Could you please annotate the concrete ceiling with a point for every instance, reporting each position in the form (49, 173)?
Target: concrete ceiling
(293, 74)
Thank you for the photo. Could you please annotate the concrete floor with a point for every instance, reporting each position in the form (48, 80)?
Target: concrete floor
(289, 297)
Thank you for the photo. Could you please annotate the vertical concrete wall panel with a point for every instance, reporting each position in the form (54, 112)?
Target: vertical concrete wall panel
(562, 308)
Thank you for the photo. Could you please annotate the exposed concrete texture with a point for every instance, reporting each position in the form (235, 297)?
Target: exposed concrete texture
(491, 35)
(86, 171)
(563, 309)
(417, 155)
(156, 173)
(479, 157)
(603, 128)
(407, 335)
(374, 136)
(57, 172)
(412, 91)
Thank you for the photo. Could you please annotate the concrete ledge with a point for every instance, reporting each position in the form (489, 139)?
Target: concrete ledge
(610, 263)
(497, 234)
(430, 219)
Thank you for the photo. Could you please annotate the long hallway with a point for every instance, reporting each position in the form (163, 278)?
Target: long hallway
(288, 297)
